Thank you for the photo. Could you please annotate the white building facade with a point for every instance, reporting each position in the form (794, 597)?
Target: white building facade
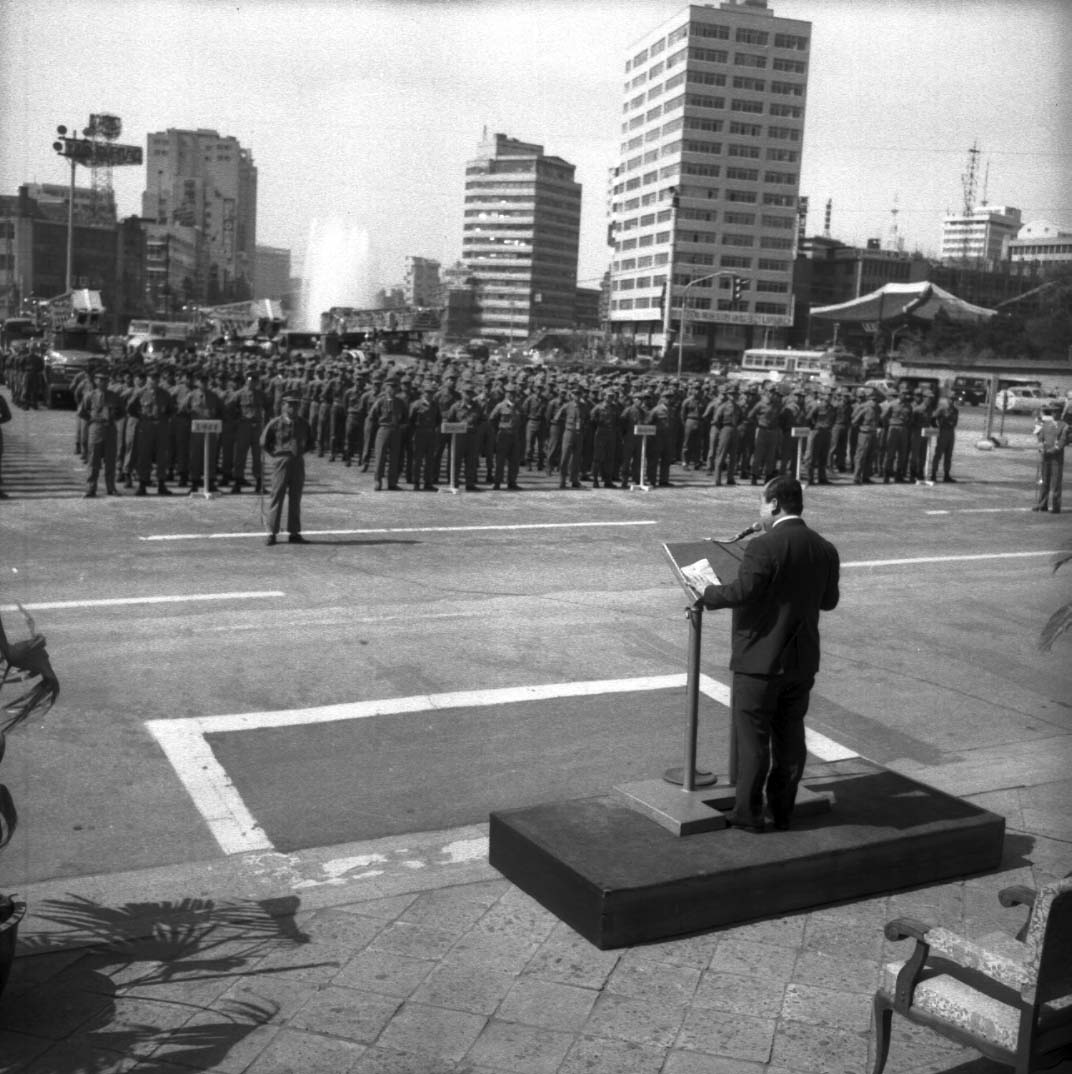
(520, 238)
(708, 180)
(980, 236)
(1041, 243)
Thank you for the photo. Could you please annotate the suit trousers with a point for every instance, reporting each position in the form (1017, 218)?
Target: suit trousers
(768, 718)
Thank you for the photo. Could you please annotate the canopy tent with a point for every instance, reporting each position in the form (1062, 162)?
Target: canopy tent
(904, 301)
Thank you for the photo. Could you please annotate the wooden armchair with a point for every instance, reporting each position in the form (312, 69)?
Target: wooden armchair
(1010, 999)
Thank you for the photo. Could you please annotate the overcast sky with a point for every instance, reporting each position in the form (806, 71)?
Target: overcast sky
(368, 111)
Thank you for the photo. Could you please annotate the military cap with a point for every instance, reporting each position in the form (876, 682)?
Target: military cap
(291, 397)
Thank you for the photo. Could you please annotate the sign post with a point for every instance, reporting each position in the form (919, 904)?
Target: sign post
(643, 431)
(209, 427)
(453, 429)
(800, 435)
(928, 462)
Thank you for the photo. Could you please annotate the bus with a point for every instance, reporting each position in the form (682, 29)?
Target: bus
(760, 364)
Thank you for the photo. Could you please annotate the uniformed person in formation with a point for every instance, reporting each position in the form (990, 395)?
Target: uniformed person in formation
(101, 409)
(285, 441)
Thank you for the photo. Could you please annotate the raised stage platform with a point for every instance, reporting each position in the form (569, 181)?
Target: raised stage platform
(618, 878)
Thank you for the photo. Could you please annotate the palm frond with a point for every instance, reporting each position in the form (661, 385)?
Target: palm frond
(1056, 625)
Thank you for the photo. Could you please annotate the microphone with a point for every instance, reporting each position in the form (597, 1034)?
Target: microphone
(756, 527)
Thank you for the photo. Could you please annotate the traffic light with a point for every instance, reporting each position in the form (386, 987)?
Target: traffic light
(738, 288)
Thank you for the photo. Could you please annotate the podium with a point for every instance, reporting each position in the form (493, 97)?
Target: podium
(687, 800)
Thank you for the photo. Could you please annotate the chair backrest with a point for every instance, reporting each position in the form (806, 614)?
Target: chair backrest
(1049, 938)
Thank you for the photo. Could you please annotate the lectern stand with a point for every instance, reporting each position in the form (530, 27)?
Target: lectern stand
(687, 801)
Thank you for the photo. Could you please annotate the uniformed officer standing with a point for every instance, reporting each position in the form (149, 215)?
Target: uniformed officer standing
(896, 422)
(945, 418)
(386, 417)
(767, 415)
(692, 413)
(468, 409)
(572, 416)
(152, 407)
(507, 421)
(102, 407)
(819, 417)
(286, 440)
(725, 417)
(865, 420)
(606, 418)
(839, 432)
(201, 404)
(250, 411)
(424, 420)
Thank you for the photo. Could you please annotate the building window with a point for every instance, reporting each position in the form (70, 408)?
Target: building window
(678, 35)
(785, 178)
(735, 261)
(749, 59)
(740, 218)
(745, 196)
(788, 200)
(794, 41)
(770, 307)
(739, 105)
(736, 150)
(775, 242)
(779, 223)
(796, 67)
(791, 134)
(749, 175)
(793, 111)
(748, 36)
(789, 156)
(698, 100)
(709, 29)
(776, 287)
(731, 238)
(769, 264)
(787, 89)
(756, 84)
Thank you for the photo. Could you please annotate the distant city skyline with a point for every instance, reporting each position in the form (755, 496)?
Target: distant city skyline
(368, 112)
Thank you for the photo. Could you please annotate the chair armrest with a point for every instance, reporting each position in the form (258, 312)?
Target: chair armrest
(969, 955)
(906, 928)
(1017, 895)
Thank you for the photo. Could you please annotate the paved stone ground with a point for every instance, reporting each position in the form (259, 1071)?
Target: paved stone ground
(267, 965)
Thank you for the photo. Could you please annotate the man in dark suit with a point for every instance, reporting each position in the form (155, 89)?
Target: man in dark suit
(788, 575)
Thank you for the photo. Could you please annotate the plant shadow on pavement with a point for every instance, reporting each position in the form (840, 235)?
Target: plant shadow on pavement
(154, 985)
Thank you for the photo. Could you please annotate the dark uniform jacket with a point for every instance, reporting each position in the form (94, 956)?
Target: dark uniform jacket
(786, 577)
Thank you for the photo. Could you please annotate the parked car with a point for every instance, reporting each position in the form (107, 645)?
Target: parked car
(1021, 400)
(969, 391)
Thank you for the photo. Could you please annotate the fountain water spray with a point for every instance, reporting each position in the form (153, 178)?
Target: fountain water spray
(337, 269)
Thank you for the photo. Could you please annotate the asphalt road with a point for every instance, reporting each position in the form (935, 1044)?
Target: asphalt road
(163, 616)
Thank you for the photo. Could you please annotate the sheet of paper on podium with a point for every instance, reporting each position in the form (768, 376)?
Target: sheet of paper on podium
(697, 564)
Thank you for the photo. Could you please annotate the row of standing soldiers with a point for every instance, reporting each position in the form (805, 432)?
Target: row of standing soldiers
(577, 428)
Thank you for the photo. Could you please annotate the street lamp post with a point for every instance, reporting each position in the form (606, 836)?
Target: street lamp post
(685, 309)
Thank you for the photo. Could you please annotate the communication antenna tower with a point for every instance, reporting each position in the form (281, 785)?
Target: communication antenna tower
(969, 179)
(896, 238)
(986, 184)
(826, 217)
(104, 129)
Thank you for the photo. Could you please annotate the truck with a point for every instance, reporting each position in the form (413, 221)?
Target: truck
(147, 340)
(75, 345)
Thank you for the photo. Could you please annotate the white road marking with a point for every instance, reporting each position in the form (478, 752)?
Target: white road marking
(237, 831)
(944, 559)
(401, 529)
(980, 511)
(181, 598)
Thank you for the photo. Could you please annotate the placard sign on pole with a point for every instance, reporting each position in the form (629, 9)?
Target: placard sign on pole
(928, 464)
(209, 427)
(453, 429)
(643, 431)
(799, 434)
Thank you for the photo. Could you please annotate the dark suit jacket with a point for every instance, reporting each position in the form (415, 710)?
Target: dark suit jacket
(787, 576)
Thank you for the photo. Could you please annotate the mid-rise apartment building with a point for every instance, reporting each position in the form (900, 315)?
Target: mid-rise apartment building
(206, 183)
(520, 238)
(708, 180)
(979, 236)
(421, 281)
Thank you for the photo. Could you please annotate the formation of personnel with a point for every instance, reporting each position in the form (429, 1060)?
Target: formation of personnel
(387, 415)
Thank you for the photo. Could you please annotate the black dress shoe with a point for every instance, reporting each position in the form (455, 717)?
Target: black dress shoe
(296, 538)
(270, 539)
(747, 826)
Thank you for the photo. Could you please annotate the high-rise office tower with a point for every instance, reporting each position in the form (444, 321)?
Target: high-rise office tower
(204, 186)
(708, 180)
(421, 282)
(520, 238)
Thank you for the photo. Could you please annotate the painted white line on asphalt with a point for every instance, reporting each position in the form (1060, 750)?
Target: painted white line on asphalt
(182, 598)
(981, 511)
(944, 559)
(237, 831)
(401, 529)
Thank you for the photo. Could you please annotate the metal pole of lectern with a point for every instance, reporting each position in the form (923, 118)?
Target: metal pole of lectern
(688, 776)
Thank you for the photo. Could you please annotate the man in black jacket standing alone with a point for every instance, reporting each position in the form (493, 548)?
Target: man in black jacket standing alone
(788, 575)
(285, 440)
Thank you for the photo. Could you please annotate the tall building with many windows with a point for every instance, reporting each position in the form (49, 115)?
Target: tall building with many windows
(520, 238)
(421, 281)
(708, 180)
(207, 184)
(979, 236)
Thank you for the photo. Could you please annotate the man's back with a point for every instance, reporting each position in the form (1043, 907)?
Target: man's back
(787, 576)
